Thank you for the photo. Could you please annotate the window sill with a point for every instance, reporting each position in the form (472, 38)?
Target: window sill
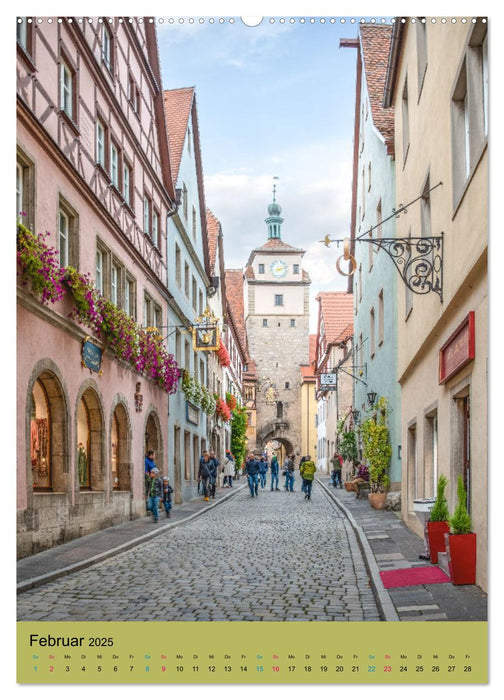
(70, 122)
(458, 201)
(23, 53)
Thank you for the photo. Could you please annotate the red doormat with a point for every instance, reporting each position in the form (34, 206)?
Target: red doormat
(415, 576)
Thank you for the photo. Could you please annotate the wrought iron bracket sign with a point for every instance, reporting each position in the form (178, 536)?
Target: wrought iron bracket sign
(419, 260)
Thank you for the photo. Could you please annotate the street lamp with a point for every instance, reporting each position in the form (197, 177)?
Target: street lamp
(371, 398)
(355, 414)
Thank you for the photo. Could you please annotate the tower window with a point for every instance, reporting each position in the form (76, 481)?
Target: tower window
(293, 322)
(261, 268)
(265, 322)
(295, 269)
(279, 300)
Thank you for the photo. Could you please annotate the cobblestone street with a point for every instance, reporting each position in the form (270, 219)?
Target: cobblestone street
(277, 557)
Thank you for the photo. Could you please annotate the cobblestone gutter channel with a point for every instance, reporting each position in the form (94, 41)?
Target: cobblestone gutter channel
(387, 609)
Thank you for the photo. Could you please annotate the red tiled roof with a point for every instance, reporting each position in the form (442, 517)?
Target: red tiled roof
(213, 237)
(336, 310)
(375, 46)
(308, 373)
(177, 106)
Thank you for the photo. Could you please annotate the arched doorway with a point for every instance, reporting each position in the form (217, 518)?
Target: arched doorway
(120, 457)
(153, 440)
(90, 442)
(279, 446)
(47, 434)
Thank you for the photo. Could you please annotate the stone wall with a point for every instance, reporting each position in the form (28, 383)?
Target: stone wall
(278, 350)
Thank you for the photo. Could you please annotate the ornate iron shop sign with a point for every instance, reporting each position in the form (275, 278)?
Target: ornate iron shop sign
(419, 260)
(91, 356)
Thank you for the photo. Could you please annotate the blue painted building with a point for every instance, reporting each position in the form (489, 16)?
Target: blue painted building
(375, 280)
(188, 280)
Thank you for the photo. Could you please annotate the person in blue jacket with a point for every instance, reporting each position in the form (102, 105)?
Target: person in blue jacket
(263, 468)
(274, 473)
(149, 461)
(252, 472)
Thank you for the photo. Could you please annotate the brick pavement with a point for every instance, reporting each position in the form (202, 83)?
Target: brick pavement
(277, 557)
(381, 537)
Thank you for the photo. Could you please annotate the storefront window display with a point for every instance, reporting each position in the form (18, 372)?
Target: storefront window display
(40, 425)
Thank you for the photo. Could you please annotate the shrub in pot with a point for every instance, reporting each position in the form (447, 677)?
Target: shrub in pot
(461, 542)
(437, 526)
(377, 453)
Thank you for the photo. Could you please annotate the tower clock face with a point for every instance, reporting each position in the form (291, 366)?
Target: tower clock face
(278, 268)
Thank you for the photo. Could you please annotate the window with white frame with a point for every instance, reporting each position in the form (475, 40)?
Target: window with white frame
(469, 110)
(106, 46)
(115, 280)
(114, 164)
(261, 268)
(155, 228)
(100, 143)
(279, 299)
(126, 184)
(64, 238)
(25, 189)
(146, 214)
(66, 90)
(99, 270)
(129, 296)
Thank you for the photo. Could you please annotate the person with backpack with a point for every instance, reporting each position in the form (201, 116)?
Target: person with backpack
(205, 474)
(289, 473)
(274, 473)
(252, 472)
(307, 471)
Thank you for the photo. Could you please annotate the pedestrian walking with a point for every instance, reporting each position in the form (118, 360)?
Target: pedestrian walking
(274, 473)
(263, 470)
(229, 469)
(167, 498)
(252, 472)
(337, 463)
(307, 471)
(215, 472)
(149, 461)
(206, 471)
(154, 493)
(289, 472)
(303, 460)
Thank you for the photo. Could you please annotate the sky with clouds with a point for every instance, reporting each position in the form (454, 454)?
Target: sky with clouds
(273, 100)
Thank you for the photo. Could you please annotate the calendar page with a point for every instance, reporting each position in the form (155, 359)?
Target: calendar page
(252, 349)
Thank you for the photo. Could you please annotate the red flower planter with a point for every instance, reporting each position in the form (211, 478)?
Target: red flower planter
(436, 532)
(461, 551)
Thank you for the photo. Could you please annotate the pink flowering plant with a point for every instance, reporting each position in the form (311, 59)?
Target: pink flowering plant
(38, 267)
(223, 354)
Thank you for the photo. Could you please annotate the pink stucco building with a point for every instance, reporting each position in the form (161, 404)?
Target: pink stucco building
(93, 169)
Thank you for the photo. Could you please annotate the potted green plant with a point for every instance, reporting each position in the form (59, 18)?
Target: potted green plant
(461, 542)
(377, 451)
(437, 526)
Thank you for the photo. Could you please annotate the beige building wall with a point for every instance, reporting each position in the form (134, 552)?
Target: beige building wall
(308, 423)
(429, 99)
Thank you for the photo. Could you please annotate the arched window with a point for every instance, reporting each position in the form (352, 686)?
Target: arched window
(40, 434)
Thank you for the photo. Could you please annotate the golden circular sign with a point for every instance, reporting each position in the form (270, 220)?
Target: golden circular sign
(354, 265)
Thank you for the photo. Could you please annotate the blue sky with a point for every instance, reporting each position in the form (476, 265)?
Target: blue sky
(273, 100)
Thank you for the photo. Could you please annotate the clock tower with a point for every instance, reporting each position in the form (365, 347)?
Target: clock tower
(276, 305)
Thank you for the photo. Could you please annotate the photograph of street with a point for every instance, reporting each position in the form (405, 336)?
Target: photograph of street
(252, 319)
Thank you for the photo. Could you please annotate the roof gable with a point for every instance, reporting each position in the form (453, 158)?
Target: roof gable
(177, 106)
(375, 47)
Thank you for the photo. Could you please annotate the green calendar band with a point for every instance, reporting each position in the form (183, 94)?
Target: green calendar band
(252, 652)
